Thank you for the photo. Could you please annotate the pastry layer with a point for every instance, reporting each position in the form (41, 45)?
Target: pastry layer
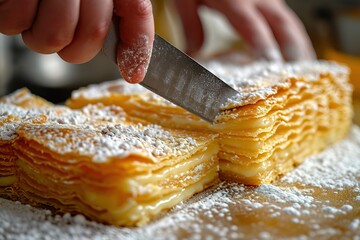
(15, 108)
(283, 113)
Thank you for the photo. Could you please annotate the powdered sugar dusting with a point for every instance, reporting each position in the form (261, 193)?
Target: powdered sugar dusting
(265, 74)
(18, 96)
(97, 131)
(105, 89)
(105, 142)
(245, 97)
(12, 116)
(260, 80)
(312, 202)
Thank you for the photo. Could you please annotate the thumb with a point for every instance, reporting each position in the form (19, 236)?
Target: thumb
(136, 32)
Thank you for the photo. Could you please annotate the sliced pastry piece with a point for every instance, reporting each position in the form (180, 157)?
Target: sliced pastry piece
(122, 174)
(99, 162)
(282, 114)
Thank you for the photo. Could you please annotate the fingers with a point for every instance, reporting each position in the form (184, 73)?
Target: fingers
(93, 25)
(193, 30)
(77, 31)
(54, 26)
(136, 31)
(14, 18)
(252, 26)
(288, 30)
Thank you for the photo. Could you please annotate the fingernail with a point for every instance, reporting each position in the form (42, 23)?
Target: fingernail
(133, 60)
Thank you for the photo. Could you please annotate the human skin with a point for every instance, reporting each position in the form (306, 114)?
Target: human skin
(269, 27)
(76, 29)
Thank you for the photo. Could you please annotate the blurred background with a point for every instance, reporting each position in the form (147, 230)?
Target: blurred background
(333, 25)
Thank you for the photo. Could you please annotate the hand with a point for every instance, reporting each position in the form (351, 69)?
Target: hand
(270, 28)
(76, 29)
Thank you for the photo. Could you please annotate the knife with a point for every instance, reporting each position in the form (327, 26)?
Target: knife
(178, 78)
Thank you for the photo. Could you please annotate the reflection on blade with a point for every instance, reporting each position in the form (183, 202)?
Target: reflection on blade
(184, 82)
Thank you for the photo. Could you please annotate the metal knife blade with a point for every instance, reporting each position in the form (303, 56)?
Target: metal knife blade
(180, 79)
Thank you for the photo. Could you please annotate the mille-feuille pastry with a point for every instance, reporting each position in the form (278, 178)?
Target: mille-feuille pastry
(118, 173)
(99, 162)
(283, 113)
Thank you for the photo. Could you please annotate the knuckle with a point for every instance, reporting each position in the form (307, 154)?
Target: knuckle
(45, 44)
(143, 8)
(99, 32)
(56, 42)
(71, 58)
(279, 18)
(14, 27)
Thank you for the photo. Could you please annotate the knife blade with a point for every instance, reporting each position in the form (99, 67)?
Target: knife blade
(178, 78)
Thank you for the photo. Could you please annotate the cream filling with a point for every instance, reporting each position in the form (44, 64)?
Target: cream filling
(284, 157)
(140, 212)
(129, 212)
(244, 171)
(149, 183)
(8, 180)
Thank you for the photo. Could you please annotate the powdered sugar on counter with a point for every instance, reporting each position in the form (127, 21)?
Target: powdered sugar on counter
(318, 200)
(331, 169)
